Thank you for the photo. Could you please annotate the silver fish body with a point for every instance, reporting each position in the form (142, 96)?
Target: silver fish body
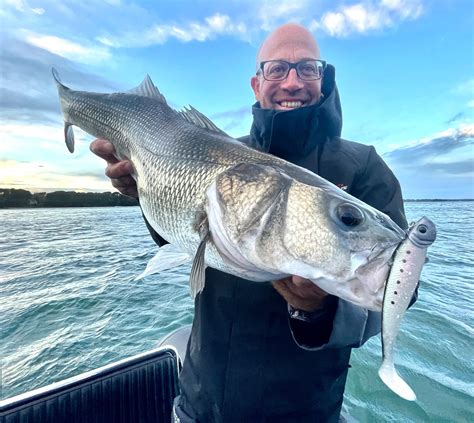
(253, 214)
(403, 279)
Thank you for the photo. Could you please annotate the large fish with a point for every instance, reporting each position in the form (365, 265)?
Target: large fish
(405, 272)
(234, 208)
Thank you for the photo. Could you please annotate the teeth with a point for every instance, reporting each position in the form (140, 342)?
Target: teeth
(291, 104)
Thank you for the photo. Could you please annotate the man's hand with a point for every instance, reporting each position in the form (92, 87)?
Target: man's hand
(301, 293)
(119, 171)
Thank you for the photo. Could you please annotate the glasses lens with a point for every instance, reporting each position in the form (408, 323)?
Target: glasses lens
(309, 69)
(275, 70)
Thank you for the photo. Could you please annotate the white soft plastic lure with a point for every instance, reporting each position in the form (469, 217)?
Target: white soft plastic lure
(403, 278)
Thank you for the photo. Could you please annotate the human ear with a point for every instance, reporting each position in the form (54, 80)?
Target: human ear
(255, 83)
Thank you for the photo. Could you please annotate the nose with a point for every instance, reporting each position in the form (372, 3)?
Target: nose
(292, 82)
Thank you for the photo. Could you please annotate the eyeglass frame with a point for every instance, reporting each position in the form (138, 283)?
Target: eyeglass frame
(292, 65)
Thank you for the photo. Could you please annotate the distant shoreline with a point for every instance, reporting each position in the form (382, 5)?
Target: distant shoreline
(20, 198)
(12, 198)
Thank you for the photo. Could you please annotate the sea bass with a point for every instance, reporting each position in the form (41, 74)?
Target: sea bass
(403, 279)
(233, 208)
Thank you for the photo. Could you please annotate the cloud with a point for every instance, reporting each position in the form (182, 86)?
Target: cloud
(456, 118)
(441, 166)
(131, 25)
(236, 122)
(366, 16)
(33, 142)
(431, 153)
(465, 88)
(20, 107)
(233, 114)
(35, 132)
(211, 27)
(68, 49)
(23, 7)
(462, 167)
(27, 90)
(39, 176)
(271, 13)
(425, 150)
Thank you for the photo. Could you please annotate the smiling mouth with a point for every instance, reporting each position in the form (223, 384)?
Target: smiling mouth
(290, 104)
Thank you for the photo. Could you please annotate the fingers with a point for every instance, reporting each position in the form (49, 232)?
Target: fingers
(115, 168)
(104, 149)
(126, 186)
(121, 179)
(305, 285)
(123, 182)
(300, 293)
(282, 287)
(119, 171)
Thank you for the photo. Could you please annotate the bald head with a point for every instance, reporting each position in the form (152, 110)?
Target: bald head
(288, 37)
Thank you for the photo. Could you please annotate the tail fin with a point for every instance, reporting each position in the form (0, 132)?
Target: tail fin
(390, 377)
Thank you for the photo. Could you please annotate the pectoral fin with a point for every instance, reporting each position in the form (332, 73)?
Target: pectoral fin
(167, 257)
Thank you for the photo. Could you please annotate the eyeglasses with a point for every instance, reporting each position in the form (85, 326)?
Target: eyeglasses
(278, 70)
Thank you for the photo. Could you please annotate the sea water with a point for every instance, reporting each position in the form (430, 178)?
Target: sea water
(69, 303)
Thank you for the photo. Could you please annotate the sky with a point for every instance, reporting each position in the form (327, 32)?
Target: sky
(404, 69)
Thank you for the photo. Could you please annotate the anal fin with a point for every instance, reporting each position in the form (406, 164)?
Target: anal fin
(198, 270)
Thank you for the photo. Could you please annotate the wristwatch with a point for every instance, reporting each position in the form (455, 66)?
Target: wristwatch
(305, 316)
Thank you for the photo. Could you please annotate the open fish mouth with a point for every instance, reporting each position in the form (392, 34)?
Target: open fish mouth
(369, 284)
(366, 288)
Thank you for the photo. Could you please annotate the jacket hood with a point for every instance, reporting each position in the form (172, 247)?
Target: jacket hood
(295, 133)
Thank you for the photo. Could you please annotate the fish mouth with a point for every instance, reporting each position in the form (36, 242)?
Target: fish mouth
(370, 278)
(365, 285)
(361, 259)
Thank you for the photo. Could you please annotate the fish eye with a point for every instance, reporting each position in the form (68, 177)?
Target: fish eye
(422, 229)
(349, 215)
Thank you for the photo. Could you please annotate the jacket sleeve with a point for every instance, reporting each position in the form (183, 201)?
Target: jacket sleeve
(343, 324)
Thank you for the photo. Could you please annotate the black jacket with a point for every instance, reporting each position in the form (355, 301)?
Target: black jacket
(242, 363)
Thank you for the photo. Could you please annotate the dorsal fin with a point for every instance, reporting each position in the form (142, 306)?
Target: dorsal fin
(148, 89)
(197, 118)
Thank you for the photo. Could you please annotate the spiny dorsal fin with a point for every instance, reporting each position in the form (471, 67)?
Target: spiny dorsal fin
(148, 89)
(197, 118)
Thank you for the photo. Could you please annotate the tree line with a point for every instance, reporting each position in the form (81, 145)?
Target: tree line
(10, 197)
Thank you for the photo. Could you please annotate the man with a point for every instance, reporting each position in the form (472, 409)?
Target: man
(279, 352)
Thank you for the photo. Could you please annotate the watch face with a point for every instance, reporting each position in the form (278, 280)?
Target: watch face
(305, 316)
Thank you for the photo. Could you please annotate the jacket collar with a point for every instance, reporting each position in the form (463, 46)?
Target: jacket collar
(295, 133)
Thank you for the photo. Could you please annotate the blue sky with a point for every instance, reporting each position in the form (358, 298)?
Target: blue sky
(405, 71)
